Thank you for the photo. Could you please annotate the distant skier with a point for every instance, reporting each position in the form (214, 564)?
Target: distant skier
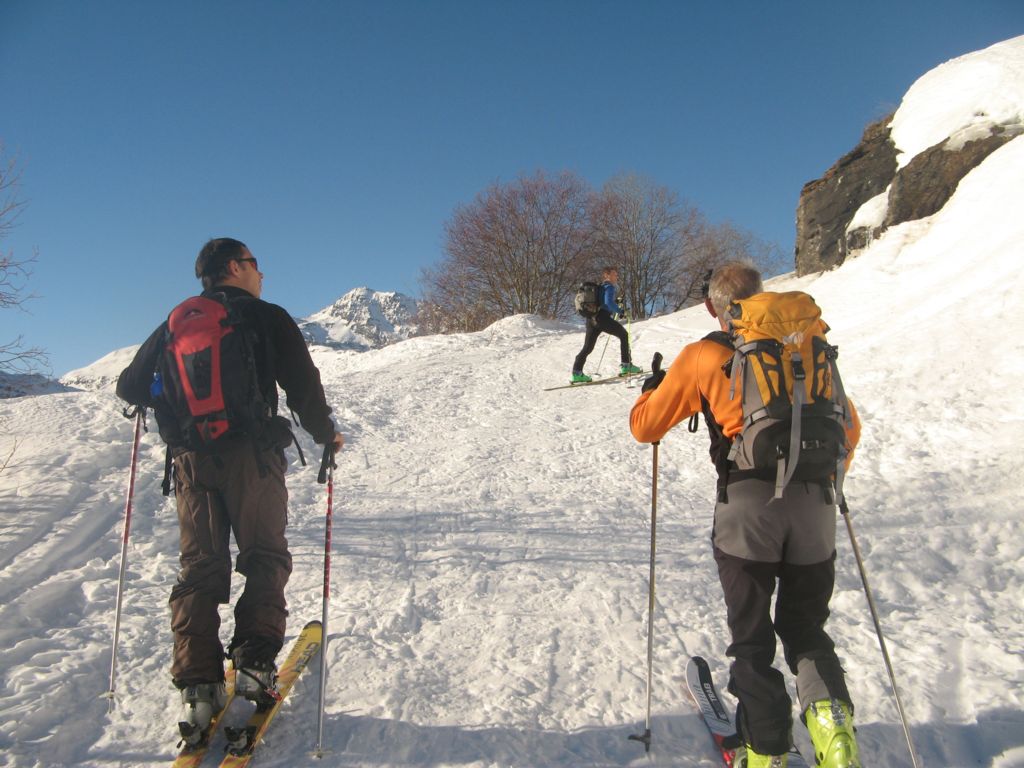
(601, 311)
(759, 540)
(228, 467)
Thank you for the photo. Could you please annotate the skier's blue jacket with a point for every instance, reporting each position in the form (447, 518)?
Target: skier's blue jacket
(608, 298)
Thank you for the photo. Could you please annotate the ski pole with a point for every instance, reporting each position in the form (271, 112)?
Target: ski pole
(140, 417)
(327, 466)
(602, 354)
(645, 738)
(845, 510)
(629, 332)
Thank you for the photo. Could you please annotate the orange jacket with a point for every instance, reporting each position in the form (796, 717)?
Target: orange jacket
(695, 374)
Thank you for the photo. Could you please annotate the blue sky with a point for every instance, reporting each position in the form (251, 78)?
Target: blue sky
(336, 138)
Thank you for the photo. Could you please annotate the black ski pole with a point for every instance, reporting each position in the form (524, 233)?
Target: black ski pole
(327, 466)
(140, 415)
(845, 510)
(629, 332)
(645, 738)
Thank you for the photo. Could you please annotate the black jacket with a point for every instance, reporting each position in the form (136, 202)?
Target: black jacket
(281, 358)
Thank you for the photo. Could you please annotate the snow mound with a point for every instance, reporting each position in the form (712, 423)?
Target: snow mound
(102, 374)
(962, 99)
(523, 326)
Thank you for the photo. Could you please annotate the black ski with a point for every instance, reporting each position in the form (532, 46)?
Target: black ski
(717, 716)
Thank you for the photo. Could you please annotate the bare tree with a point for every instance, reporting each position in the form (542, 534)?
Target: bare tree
(448, 306)
(646, 231)
(525, 247)
(715, 244)
(15, 357)
(519, 247)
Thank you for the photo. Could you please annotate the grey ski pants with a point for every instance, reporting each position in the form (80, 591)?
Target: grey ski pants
(790, 543)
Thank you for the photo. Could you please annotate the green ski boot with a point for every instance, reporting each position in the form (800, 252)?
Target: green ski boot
(830, 723)
(746, 757)
(627, 368)
(579, 377)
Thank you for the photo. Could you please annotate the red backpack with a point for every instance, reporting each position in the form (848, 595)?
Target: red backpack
(207, 388)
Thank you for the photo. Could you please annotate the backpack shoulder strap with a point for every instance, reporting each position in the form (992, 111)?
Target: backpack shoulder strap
(720, 337)
(720, 444)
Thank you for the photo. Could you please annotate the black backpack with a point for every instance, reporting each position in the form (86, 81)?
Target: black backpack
(588, 299)
(206, 390)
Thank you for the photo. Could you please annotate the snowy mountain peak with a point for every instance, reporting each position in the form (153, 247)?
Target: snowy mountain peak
(363, 319)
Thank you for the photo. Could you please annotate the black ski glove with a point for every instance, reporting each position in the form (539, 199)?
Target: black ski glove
(657, 374)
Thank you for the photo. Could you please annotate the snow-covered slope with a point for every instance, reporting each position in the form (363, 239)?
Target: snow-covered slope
(489, 587)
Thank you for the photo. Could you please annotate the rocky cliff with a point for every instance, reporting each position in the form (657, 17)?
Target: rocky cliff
(827, 205)
(908, 164)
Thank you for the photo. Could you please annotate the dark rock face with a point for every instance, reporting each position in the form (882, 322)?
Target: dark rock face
(919, 189)
(827, 205)
(930, 179)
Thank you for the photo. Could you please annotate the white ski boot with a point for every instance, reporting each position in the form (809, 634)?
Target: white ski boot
(257, 681)
(199, 704)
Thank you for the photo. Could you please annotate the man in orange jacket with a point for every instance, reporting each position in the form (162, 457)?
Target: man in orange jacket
(757, 544)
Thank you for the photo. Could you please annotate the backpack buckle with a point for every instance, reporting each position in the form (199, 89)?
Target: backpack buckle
(798, 367)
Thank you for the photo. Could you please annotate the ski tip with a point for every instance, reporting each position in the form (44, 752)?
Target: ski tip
(312, 624)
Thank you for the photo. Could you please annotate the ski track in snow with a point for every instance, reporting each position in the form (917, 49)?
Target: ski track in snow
(491, 541)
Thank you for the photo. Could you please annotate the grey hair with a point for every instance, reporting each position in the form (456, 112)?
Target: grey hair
(733, 280)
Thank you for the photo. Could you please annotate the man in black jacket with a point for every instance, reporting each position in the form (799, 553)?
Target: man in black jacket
(239, 488)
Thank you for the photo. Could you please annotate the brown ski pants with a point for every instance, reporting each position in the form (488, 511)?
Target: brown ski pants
(240, 490)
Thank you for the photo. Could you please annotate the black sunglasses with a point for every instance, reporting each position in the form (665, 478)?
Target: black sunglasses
(705, 288)
(255, 264)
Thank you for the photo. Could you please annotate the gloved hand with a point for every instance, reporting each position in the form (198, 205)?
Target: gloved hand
(657, 374)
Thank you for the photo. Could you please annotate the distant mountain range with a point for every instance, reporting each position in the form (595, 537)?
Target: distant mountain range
(363, 319)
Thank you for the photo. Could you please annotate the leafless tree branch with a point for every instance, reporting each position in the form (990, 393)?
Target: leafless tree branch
(517, 248)
(15, 357)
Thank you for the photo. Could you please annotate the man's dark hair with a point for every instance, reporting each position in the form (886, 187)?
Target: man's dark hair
(212, 262)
